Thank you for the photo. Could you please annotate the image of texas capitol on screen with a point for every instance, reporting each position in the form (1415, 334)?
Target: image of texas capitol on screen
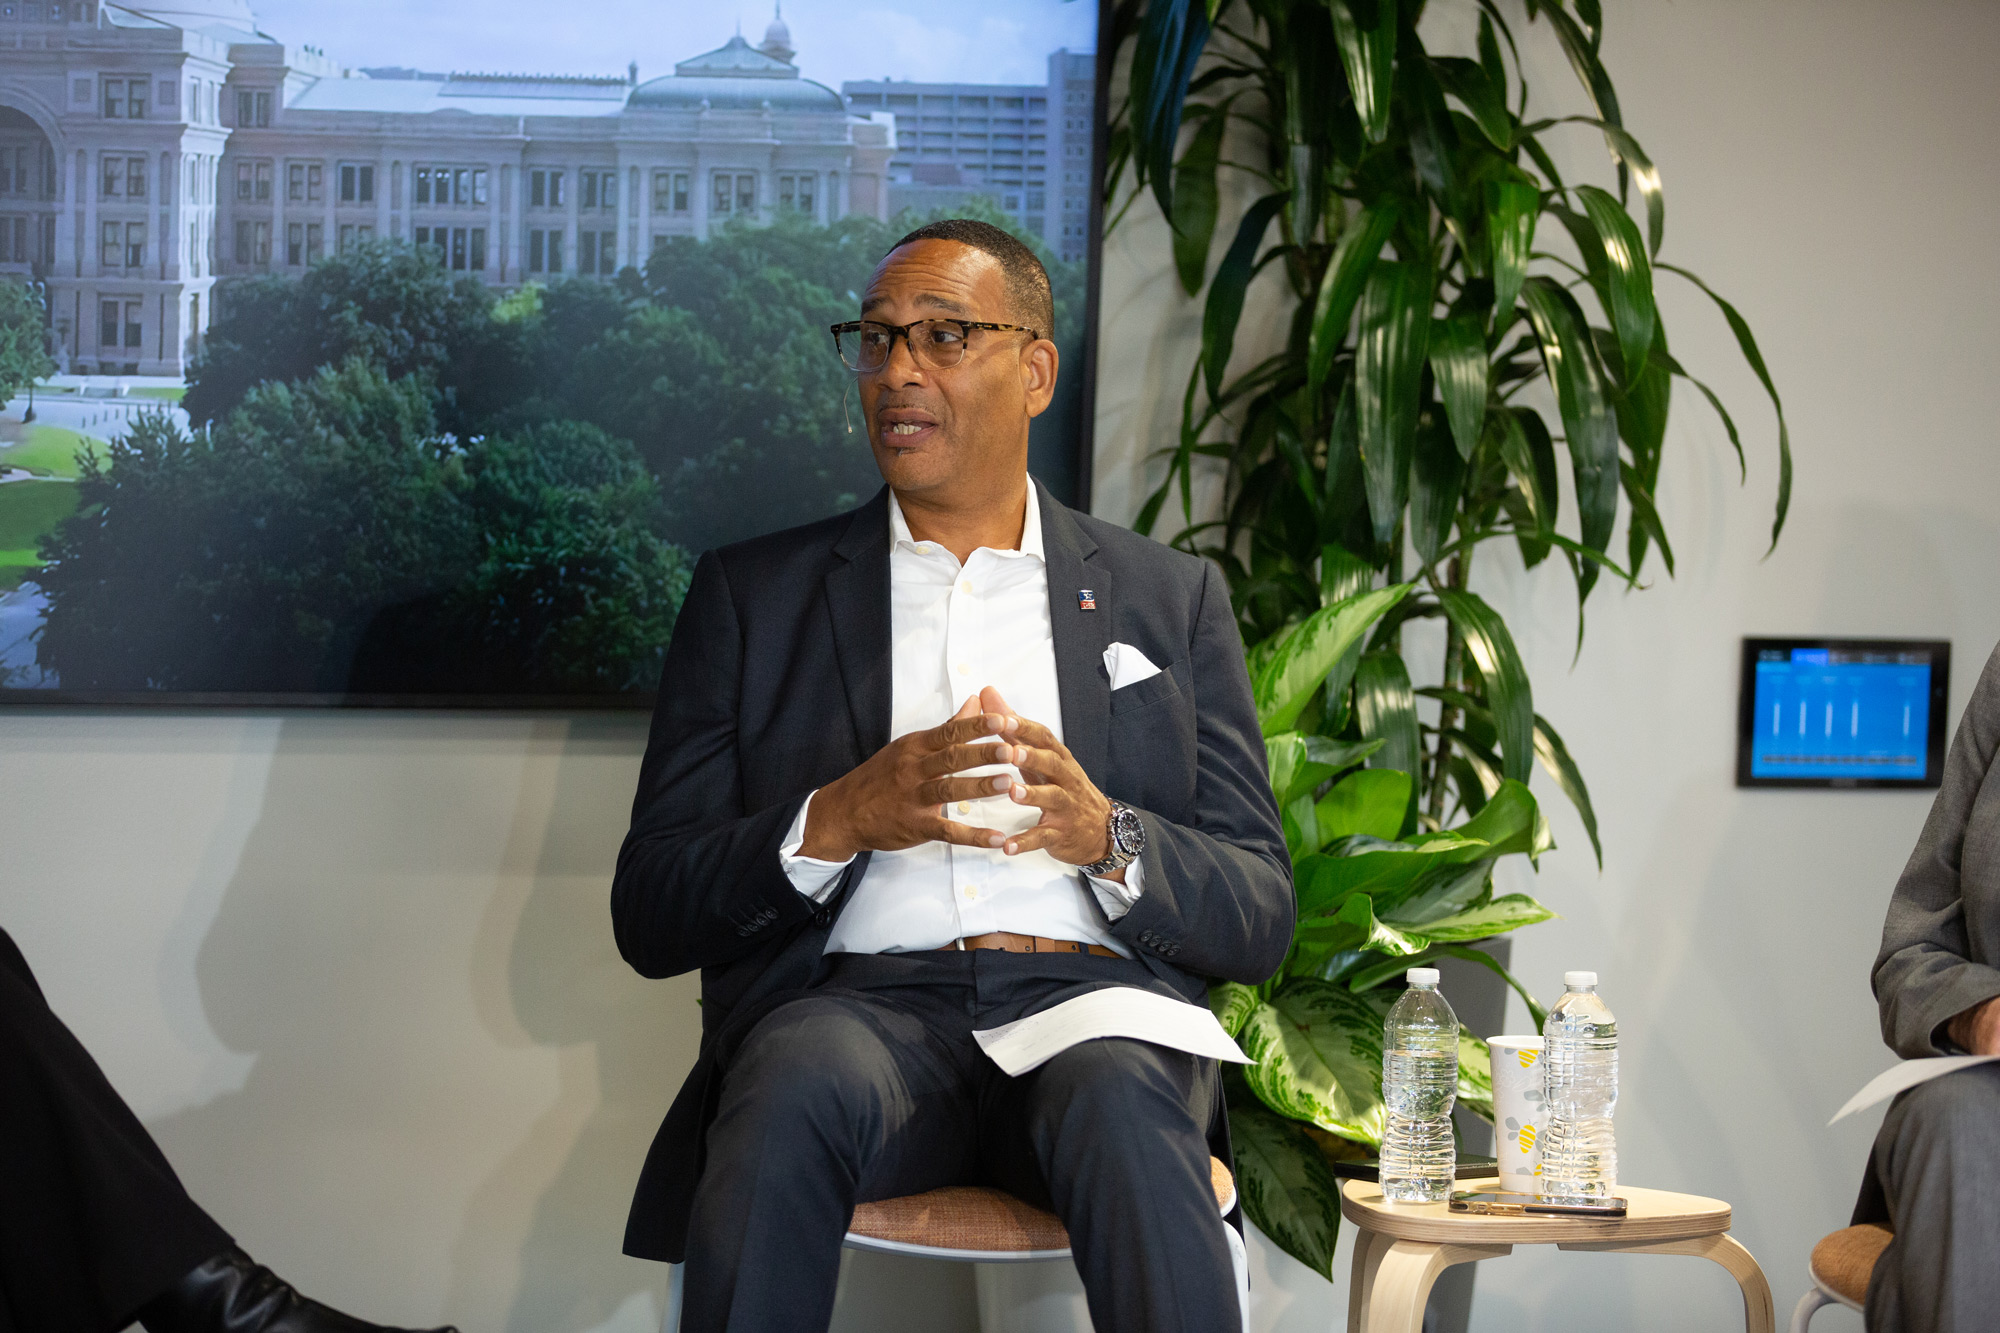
(417, 353)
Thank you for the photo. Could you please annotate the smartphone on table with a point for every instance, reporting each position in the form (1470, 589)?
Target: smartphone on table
(1508, 1203)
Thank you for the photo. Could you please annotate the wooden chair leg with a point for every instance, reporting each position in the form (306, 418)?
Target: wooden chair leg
(1724, 1249)
(1404, 1271)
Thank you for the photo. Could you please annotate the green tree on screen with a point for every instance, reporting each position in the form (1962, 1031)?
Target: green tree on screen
(326, 536)
(24, 339)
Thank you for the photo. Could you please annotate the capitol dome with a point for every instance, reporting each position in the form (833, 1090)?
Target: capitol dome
(735, 77)
(777, 42)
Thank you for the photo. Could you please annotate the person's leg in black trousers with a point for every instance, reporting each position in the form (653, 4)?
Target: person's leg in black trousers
(1111, 1136)
(876, 1089)
(95, 1227)
(93, 1222)
(832, 1100)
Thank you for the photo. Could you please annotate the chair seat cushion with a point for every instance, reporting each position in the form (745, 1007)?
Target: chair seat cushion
(975, 1217)
(1844, 1261)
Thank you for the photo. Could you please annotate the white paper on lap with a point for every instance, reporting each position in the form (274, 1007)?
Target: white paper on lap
(1903, 1077)
(1116, 1011)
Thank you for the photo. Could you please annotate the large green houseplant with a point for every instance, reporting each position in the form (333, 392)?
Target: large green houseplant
(1439, 357)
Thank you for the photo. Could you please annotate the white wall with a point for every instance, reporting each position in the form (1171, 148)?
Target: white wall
(355, 970)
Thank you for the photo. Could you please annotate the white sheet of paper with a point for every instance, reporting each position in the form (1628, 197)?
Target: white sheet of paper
(1116, 1011)
(1126, 665)
(1903, 1077)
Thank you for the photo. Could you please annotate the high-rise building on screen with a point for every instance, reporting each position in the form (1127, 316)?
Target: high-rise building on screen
(1025, 147)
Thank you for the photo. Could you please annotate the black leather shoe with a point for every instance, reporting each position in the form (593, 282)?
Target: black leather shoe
(233, 1293)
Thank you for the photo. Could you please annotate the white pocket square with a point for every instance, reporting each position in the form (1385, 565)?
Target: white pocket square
(1126, 665)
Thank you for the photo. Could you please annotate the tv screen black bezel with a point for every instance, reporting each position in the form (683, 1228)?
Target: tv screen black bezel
(1934, 747)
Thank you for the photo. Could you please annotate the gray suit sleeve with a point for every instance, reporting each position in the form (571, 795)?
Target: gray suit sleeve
(1928, 971)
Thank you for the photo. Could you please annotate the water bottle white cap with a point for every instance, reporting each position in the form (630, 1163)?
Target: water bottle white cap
(1422, 976)
(1579, 980)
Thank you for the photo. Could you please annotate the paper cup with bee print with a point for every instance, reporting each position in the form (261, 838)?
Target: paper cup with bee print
(1517, 1110)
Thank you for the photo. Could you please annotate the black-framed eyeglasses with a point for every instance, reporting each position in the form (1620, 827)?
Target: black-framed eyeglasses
(936, 344)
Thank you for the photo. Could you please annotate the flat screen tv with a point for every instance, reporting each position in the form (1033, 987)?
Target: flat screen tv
(413, 363)
(1842, 713)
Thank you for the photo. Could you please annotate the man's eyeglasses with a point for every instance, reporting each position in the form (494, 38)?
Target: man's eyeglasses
(936, 344)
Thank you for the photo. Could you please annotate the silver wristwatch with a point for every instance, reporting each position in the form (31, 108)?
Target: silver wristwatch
(1128, 839)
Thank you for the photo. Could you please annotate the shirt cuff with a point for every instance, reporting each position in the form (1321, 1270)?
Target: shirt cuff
(1116, 899)
(809, 875)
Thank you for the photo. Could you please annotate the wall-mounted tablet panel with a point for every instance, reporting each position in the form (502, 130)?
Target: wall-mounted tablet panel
(1842, 712)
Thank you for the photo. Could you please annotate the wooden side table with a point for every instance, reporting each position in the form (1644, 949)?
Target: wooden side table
(1400, 1248)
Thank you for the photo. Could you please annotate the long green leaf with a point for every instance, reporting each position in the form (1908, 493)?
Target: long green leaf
(1196, 200)
(1392, 333)
(1629, 274)
(1386, 709)
(1369, 57)
(1555, 757)
(1508, 692)
(1747, 343)
(1318, 1054)
(1530, 456)
(1470, 82)
(1370, 802)
(1393, 967)
(1288, 1189)
(1437, 478)
(1341, 286)
(1508, 912)
(1588, 422)
(1627, 153)
(1301, 662)
(1512, 207)
(1224, 308)
(1646, 518)
(1459, 365)
(1172, 36)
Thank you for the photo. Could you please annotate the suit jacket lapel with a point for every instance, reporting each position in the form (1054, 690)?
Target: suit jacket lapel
(1080, 636)
(857, 604)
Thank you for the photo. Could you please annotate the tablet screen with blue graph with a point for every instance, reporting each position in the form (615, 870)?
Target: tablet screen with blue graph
(1842, 713)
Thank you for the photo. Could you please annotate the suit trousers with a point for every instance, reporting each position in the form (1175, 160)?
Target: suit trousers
(93, 1221)
(1937, 1157)
(870, 1086)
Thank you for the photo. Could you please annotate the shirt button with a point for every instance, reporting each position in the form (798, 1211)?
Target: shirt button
(965, 586)
(923, 548)
(964, 670)
(965, 807)
(972, 890)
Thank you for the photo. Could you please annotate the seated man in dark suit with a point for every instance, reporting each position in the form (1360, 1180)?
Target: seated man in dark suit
(1935, 1173)
(860, 905)
(95, 1229)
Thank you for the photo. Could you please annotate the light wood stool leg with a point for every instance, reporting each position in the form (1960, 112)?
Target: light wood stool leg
(1368, 1248)
(1723, 1249)
(1401, 1282)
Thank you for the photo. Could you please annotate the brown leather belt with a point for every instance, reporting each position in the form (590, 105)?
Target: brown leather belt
(1012, 943)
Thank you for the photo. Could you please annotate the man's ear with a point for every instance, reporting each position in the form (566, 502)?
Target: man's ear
(1038, 375)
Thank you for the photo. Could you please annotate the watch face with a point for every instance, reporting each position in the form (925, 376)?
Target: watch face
(1130, 832)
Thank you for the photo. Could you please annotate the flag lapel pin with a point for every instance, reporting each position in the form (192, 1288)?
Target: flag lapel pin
(1086, 600)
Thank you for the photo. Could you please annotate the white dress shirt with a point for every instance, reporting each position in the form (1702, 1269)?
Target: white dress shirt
(955, 629)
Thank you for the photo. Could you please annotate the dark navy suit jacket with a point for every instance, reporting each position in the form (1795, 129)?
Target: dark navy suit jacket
(778, 681)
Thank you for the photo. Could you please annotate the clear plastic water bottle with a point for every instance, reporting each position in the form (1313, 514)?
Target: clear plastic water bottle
(1579, 1090)
(1419, 1085)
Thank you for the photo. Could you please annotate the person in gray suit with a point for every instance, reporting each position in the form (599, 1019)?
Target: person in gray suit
(1934, 1176)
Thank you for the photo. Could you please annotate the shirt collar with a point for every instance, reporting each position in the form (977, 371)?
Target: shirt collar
(1031, 528)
